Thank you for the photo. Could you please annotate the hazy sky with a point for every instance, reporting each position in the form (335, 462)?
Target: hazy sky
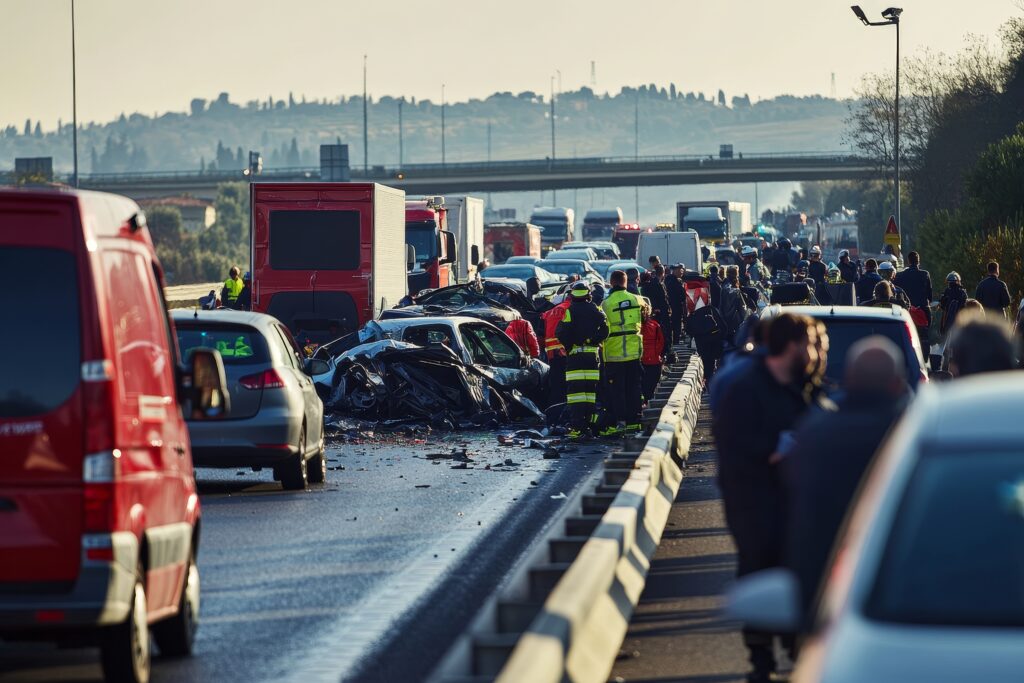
(154, 56)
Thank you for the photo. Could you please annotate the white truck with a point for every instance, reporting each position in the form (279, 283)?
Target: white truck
(466, 220)
(717, 221)
(558, 223)
(671, 248)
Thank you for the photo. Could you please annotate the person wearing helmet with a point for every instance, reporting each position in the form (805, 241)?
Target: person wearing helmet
(888, 272)
(952, 302)
(833, 276)
(783, 257)
(752, 270)
(244, 301)
(580, 333)
(816, 268)
(801, 271)
(847, 268)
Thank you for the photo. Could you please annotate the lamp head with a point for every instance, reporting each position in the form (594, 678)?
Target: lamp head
(860, 14)
(892, 13)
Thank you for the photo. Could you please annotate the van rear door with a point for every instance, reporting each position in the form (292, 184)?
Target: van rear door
(41, 430)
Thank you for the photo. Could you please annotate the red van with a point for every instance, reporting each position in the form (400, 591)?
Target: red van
(99, 517)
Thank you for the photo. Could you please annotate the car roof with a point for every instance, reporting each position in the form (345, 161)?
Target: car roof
(980, 409)
(224, 315)
(450, 320)
(893, 312)
(573, 261)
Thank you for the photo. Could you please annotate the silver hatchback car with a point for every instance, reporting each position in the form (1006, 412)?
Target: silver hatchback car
(276, 418)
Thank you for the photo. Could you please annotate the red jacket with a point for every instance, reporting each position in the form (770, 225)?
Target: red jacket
(551, 319)
(522, 334)
(654, 341)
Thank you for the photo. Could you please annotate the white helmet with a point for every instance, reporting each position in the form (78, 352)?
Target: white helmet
(844, 252)
(748, 251)
(816, 250)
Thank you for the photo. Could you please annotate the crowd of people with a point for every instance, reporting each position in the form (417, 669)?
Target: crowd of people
(791, 457)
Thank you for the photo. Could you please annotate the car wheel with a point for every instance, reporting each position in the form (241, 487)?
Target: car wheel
(176, 636)
(124, 648)
(294, 475)
(316, 468)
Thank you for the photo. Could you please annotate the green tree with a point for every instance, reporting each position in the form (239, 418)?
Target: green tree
(164, 224)
(997, 180)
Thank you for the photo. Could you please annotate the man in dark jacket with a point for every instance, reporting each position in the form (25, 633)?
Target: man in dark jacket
(677, 302)
(817, 270)
(757, 405)
(847, 268)
(821, 481)
(866, 283)
(656, 293)
(715, 287)
(992, 292)
(917, 283)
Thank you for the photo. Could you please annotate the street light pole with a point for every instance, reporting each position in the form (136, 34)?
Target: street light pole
(366, 137)
(74, 99)
(442, 126)
(401, 155)
(892, 18)
(552, 118)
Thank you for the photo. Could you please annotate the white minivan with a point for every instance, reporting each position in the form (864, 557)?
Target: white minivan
(671, 248)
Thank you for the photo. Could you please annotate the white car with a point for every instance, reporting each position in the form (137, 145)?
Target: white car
(927, 580)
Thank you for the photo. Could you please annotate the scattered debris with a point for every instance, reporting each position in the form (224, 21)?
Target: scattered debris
(560, 496)
(509, 462)
(552, 454)
(423, 486)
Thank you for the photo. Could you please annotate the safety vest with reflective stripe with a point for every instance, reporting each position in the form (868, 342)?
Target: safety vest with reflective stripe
(624, 342)
(233, 288)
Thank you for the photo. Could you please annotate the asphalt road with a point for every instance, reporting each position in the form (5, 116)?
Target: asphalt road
(391, 555)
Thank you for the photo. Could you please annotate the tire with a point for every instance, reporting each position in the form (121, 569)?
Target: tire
(316, 468)
(125, 648)
(175, 637)
(294, 475)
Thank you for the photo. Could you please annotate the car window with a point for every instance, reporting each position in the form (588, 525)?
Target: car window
(842, 334)
(497, 347)
(955, 554)
(237, 344)
(425, 335)
(293, 356)
(46, 317)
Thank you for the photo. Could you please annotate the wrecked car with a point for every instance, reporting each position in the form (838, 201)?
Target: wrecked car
(469, 346)
(495, 302)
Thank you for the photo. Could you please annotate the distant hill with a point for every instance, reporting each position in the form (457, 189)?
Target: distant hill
(289, 132)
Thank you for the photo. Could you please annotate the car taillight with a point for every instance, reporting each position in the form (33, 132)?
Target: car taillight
(268, 379)
(98, 399)
(98, 472)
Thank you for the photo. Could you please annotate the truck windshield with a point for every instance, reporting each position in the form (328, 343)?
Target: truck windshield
(423, 238)
(707, 229)
(554, 230)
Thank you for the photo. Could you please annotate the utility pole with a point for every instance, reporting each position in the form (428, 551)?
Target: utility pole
(488, 142)
(443, 161)
(74, 99)
(636, 151)
(366, 138)
(554, 193)
(593, 75)
(401, 155)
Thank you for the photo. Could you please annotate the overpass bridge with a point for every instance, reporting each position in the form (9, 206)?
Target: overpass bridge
(524, 175)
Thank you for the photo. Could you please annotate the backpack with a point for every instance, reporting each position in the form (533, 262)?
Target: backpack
(949, 315)
(702, 322)
(919, 317)
(733, 309)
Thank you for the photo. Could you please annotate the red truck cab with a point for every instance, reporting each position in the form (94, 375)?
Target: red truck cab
(502, 240)
(626, 236)
(426, 231)
(327, 257)
(99, 516)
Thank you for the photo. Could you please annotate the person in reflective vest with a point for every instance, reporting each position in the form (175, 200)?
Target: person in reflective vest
(622, 353)
(581, 332)
(555, 352)
(232, 288)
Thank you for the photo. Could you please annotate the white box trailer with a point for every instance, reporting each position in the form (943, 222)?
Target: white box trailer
(466, 220)
(671, 248)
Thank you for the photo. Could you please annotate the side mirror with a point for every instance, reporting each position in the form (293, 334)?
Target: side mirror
(767, 600)
(451, 248)
(474, 254)
(410, 257)
(206, 388)
(316, 366)
(532, 286)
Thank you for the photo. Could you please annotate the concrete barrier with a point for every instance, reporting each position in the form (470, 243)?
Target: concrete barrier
(578, 632)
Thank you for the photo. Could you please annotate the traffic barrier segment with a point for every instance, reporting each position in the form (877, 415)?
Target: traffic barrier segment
(578, 631)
